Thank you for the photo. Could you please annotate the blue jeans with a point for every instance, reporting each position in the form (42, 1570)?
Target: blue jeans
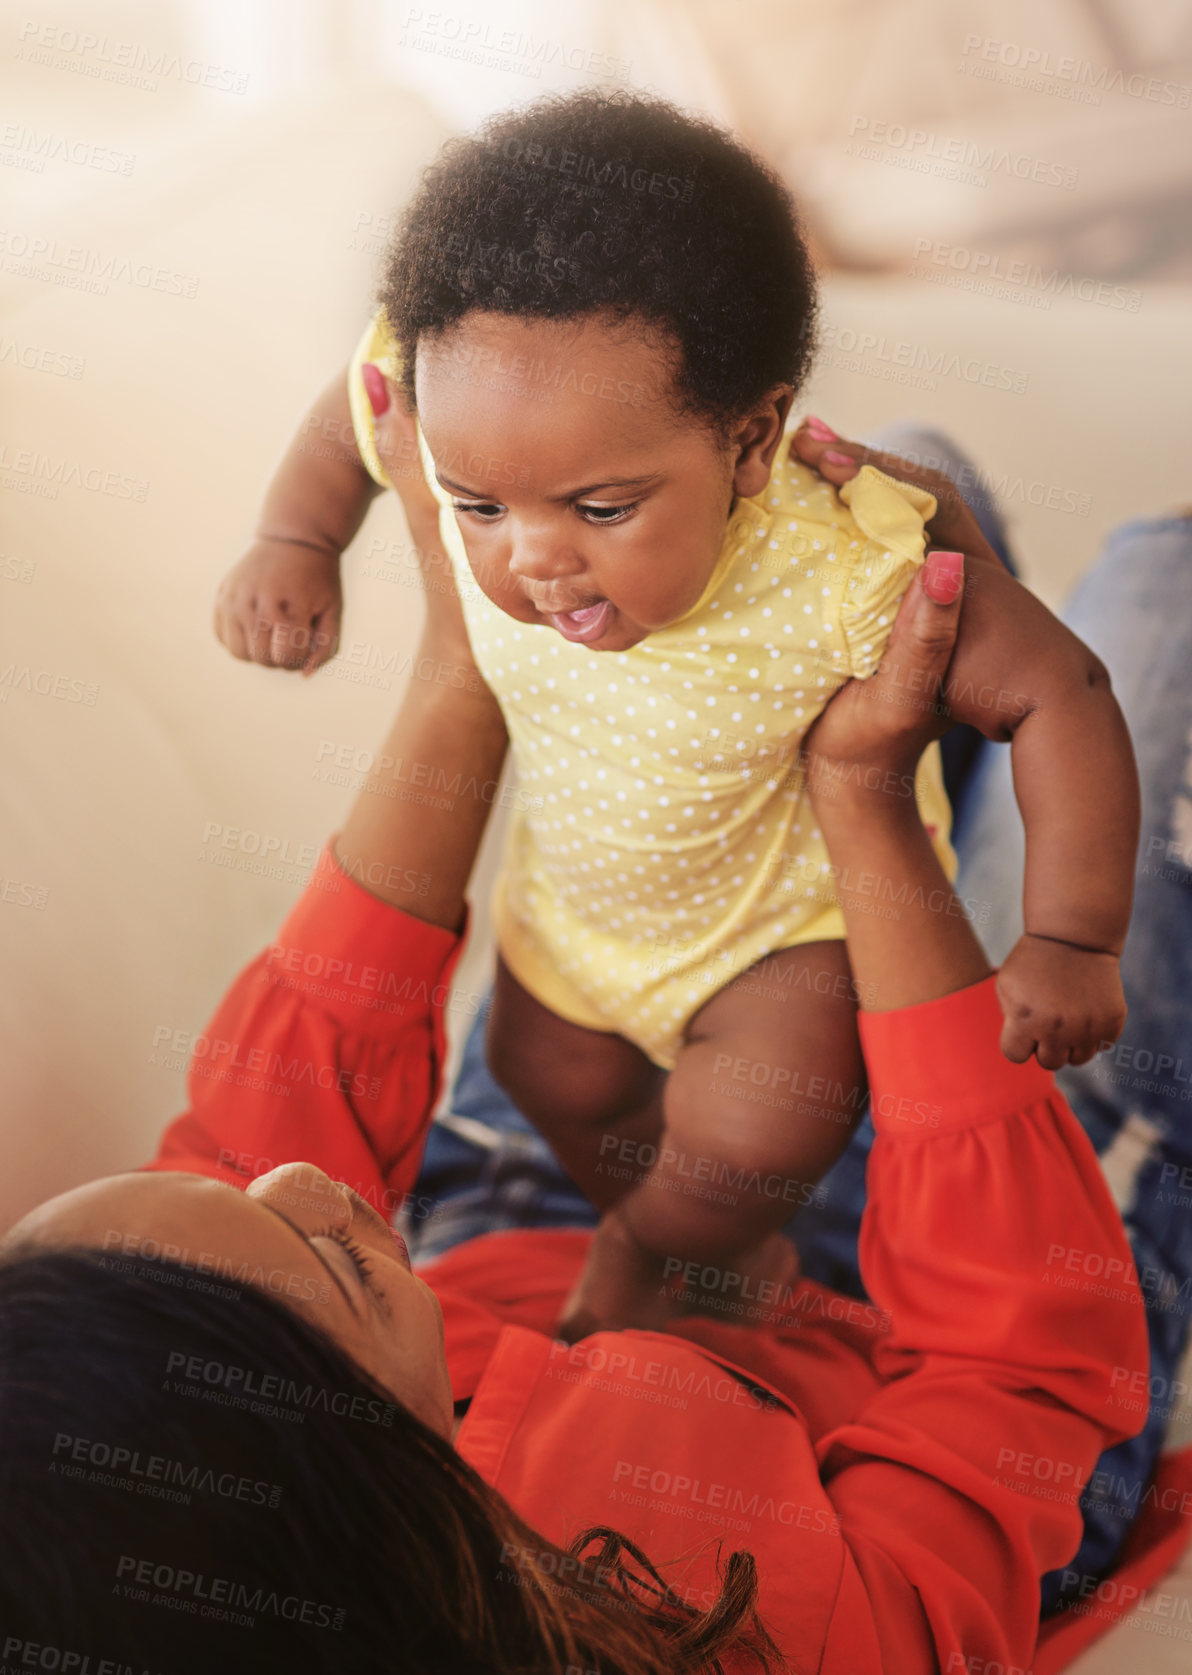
(485, 1168)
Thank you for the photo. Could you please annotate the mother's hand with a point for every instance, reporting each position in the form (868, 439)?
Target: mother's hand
(862, 755)
(874, 731)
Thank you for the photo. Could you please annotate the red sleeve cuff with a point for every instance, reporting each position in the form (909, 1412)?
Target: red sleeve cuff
(939, 1065)
(365, 962)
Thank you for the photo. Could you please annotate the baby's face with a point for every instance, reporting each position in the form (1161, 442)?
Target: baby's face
(585, 502)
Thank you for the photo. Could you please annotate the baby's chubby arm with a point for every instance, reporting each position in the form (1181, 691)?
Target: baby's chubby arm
(1018, 674)
(280, 604)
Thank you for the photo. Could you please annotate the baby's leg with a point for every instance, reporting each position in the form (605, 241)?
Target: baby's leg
(593, 1095)
(765, 1094)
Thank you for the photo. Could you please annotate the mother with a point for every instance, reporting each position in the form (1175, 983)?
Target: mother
(237, 1432)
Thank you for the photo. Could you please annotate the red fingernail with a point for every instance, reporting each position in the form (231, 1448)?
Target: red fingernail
(823, 432)
(835, 457)
(944, 576)
(376, 388)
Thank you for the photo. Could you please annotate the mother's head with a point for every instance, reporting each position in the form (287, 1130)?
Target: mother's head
(225, 1443)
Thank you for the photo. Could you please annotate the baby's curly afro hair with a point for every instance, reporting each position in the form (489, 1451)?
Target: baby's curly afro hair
(617, 203)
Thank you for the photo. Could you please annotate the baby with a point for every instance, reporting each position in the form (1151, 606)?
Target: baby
(600, 310)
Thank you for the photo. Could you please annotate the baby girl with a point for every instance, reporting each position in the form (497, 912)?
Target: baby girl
(594, 319)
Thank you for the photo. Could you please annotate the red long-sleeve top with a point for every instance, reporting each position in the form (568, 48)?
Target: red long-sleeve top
(903, 1470)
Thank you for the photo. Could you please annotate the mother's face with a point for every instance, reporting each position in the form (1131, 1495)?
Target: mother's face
(310, 1241)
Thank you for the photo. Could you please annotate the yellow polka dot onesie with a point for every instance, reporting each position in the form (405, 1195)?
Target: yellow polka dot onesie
(667, 843)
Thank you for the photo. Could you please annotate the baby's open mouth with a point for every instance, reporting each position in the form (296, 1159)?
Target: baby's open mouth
(585, 624)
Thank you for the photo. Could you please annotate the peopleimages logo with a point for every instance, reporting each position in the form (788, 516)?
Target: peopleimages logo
(849, 349)
(929, 152)
(184, 1369)
(151, 1474)
(16, 1653)
(217, 1596)
(1024, 65)
(50, 473)
(80, 268)
(992, 274)
(596, 171)
(126, 62)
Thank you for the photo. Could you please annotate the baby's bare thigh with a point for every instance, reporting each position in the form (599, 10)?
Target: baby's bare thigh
(771, 1075)
(562, 1076)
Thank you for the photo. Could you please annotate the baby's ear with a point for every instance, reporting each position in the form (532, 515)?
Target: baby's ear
(757, 439)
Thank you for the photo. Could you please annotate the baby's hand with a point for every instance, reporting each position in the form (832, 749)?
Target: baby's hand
(281, 605)
(1061, 1003)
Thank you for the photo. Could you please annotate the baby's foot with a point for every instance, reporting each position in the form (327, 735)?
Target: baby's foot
(756, 1288)
(621, 1286)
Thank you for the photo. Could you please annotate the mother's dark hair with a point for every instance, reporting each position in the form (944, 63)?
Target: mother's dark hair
(179, 1456)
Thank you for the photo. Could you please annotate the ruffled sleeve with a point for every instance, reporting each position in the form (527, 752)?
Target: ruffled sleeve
(891, 517)
(378, 346)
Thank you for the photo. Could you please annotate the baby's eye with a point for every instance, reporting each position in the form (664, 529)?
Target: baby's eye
(484, 509)
(606, 514)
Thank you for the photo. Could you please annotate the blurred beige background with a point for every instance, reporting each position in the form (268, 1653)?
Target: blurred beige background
(197, 193)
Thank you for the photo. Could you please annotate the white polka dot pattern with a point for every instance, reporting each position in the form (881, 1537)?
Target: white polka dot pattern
(667, 844)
